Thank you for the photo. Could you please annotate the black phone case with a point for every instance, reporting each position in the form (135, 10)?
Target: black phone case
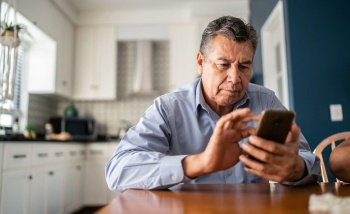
(274, 125)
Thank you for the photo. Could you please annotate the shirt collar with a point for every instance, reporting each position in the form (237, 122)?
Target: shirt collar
(243, 103)
(200, 101)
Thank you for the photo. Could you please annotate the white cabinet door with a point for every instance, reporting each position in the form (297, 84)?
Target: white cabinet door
(95, 187)
(84, 63)
(15, 192)
(16, 178)
(95, 63)
(38, 190)
(96, 191)
(55, 190)
(65, 54)
(46, 190)
(73, 186)
(1, 158)
(73, 178)
(47, 183)
(105, 62)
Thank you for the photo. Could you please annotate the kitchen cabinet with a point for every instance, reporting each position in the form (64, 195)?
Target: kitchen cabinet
(95, 63)
(53, 177)
(33, 178)
(15, 191)
(46, 190)
(16, 180)
(47, 178)
(73, 179)
(65, 56)
(1, 158)
(96, 191)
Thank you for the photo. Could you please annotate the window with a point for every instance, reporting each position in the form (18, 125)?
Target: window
(18, 81)
(10, 109)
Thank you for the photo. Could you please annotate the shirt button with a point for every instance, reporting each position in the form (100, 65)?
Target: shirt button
(173, 177)
(229, 173)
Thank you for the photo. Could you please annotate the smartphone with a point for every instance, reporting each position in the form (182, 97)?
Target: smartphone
(274, 124)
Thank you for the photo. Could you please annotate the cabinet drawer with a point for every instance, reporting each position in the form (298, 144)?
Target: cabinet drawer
(74, 152)
(58, 153)
(41, 154)
(17, 155)
(98, 151)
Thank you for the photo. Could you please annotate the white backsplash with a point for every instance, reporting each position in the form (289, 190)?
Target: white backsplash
(108, 114)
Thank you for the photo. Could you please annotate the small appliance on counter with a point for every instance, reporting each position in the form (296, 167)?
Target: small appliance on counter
(79, 128)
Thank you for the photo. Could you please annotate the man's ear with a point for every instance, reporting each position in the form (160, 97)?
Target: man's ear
(200, 61)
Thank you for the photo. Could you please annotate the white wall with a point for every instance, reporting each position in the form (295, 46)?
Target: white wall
(46, 16)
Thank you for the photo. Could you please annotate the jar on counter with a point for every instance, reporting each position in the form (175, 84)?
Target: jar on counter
(15, 126)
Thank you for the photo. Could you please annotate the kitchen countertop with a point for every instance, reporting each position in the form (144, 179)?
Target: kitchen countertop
(41, 138)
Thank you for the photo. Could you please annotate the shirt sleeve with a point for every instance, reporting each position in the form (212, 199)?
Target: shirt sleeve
(140, 160)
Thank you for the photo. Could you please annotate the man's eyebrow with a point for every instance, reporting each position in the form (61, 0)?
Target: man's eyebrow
(247, 62)
(223, 59)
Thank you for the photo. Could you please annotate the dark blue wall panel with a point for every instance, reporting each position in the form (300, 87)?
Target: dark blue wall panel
(319, 62)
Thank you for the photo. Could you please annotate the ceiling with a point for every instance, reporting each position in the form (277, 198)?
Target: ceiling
(94, 5)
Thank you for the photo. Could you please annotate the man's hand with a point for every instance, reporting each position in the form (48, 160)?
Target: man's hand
(222, 151)
(280, 162)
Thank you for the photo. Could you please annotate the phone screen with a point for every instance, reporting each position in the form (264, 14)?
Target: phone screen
(274, 125)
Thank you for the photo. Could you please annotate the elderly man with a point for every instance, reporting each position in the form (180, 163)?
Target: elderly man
(203, 132)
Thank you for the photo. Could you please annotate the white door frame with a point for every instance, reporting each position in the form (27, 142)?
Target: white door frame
(273, 44)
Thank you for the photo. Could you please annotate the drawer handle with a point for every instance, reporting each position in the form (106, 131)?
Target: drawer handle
(58, 154)
(78, 167)
(30, 177)
(42, 155)
(51, 173)
(19, 156)
(72, 153)
(96, 152)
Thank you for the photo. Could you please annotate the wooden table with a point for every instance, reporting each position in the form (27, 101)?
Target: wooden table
(222, 198)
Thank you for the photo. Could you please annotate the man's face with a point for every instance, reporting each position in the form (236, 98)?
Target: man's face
(225, 72)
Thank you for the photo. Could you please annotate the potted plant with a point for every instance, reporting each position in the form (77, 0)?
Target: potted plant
(8, 29)
(8, 37)
(29, 132)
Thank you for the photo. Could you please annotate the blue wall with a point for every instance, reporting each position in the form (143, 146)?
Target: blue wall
(318, 43)
(318, 52)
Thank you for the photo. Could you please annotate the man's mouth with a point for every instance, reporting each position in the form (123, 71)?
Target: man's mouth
(233, 92)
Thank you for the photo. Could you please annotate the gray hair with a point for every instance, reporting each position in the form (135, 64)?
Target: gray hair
(230, 27)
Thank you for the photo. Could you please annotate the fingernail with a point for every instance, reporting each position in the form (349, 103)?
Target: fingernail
(252, 138)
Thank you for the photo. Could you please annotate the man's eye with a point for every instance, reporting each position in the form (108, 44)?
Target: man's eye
(242, 67)
(223, 66)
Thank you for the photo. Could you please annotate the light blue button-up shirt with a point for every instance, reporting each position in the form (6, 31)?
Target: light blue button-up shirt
(179, 124)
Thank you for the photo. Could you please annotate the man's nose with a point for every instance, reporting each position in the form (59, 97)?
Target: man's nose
(233, 75)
